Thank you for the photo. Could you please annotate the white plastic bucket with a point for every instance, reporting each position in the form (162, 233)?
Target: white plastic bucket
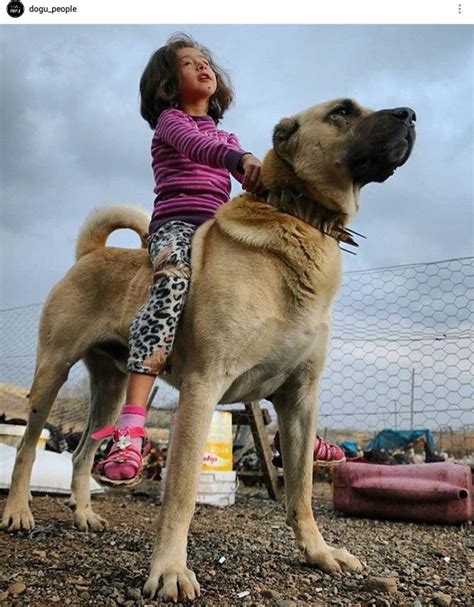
(10, 434)
(215, 488)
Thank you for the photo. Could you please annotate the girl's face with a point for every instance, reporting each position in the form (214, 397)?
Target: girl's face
(198, 81)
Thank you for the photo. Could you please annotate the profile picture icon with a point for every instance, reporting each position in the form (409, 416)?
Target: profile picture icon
(15, 9)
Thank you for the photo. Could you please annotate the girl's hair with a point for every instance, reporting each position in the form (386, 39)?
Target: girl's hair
(160, 82)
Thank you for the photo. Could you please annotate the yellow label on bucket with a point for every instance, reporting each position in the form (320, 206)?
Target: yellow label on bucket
(218, 450)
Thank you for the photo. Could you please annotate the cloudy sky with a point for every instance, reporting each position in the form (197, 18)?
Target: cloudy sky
(72, 137)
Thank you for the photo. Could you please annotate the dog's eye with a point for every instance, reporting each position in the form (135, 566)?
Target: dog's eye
(339, 112)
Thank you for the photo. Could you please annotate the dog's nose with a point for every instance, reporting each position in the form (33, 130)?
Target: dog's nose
(406, 114)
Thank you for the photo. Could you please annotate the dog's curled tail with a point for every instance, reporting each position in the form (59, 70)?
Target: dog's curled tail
(105, 220)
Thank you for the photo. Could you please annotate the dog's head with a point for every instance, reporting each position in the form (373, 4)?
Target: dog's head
(330, 151)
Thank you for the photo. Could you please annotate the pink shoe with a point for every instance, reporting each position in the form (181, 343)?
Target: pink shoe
(123, 464)
(327, 454)
(324, 454)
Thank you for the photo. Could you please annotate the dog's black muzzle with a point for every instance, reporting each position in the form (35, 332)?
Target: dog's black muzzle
(383, 141)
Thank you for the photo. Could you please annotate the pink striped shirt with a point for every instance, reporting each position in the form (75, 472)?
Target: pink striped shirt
(191, 161)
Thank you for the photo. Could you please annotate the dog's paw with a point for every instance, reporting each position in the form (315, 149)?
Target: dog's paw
(17, 518)
(334, 560)
(87, 520)
(177, 584)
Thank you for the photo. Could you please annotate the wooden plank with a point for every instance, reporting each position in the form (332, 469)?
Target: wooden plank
(264, 452)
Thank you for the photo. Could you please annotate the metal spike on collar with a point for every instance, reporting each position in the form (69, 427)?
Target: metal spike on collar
(341, 235)
(356, 233)
(347, 250)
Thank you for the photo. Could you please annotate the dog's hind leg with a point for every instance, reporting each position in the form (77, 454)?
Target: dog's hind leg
(198, 395)
(295, 403)
(51, 372)
(107, 386)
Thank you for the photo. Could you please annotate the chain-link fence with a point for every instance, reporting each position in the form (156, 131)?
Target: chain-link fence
(401, 352)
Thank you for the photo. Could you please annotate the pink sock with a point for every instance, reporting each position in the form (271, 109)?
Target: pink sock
(131, 416)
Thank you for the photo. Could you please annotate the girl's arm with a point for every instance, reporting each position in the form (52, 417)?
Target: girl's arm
(235, 164)
(176, 129)
(247, 170)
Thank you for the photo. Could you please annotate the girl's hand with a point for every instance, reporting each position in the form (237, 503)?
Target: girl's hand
(251, 167)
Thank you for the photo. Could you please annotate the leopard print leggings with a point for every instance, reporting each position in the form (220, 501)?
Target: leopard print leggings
(153, 329)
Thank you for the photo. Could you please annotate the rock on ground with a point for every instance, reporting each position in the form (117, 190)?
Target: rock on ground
(387, 585)
(444, 600)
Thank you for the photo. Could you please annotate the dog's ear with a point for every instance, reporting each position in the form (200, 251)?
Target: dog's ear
(283, 140)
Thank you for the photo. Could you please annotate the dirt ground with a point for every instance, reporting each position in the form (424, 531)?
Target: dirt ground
(246, 548)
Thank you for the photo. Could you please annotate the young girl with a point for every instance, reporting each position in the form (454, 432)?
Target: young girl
(184, 95)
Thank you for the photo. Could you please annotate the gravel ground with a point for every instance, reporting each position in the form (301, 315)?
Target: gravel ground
(421, 564)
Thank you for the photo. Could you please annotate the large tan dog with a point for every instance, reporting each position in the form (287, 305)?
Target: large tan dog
(256, 323)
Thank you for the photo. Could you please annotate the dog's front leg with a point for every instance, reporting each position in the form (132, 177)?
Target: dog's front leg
(295, 403)
(197, 400)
